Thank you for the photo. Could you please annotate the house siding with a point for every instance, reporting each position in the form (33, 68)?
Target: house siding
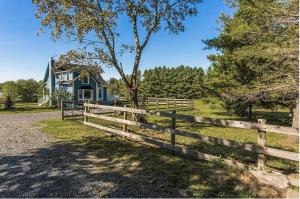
(78, 83)
(53, 84)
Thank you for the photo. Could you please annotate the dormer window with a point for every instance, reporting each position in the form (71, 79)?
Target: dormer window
(86, 80)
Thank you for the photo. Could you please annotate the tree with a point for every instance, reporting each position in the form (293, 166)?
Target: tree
(9, 104)
(9, 88)
(79, 20)
(180, 82)
(28, 90)
(258, 59)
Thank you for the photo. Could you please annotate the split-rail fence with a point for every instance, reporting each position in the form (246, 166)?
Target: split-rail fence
(104, 112)
(158, 104)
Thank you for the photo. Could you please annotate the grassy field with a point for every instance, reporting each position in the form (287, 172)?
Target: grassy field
(26, 108)
(280, 141)
(215, 110)
(182, 171)
(163, 173)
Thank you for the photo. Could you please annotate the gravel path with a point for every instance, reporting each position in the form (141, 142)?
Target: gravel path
(33, 164)
(20, 132)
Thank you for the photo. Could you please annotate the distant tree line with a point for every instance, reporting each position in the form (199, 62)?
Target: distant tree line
(22, 90)
(179, 82)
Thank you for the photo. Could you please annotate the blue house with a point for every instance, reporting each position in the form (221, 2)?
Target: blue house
(66, 81)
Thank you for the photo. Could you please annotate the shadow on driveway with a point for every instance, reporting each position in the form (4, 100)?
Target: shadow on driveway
(113, 168)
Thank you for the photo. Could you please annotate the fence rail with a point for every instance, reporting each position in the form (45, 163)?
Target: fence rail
(259, 148)
(154, 103)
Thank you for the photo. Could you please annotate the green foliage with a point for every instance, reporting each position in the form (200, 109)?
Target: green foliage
(28, 90)
(94, 25)
(258, 62)
(24, 90)
(9, 88)
(180, 82)
(9, 104)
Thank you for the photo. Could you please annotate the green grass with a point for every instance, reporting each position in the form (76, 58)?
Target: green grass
(151, 158)
(279, 141)
(164, 173)
(26, 108)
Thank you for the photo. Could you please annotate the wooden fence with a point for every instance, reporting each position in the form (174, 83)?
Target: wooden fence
(157, 104)
(260, 126)
(75, 110)
(71, 109)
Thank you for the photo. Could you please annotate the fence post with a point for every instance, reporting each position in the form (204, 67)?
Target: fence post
(157, 109)
(261, 161)
(125, 118)
(86, 110)
(175, 104)
(62, 109)
(168, 103)
(147, 104)
(173, 127)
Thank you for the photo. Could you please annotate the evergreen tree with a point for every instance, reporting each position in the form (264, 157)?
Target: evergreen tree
(259, 55)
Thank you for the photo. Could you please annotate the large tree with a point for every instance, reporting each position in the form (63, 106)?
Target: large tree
(258, 58)
(94, 24)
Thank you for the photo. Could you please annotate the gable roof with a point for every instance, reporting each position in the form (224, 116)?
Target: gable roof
(69, 67)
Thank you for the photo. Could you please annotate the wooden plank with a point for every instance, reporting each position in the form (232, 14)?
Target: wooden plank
(62, 109)
(125, 118)
(174, 128)
(178, 149)
(232, 123)
(116, 108)
(261, 158)
(220, 141)
(244, 146)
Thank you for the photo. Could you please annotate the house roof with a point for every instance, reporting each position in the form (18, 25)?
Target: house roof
(70, 67)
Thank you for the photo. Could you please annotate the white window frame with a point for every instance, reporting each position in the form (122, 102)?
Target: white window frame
(83, 90)
(88, 78)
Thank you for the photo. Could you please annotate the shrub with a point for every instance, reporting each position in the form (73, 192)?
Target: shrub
(9, 104)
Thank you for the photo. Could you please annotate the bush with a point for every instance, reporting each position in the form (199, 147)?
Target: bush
(9, 104)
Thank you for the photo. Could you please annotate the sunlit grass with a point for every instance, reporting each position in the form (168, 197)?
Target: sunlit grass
(163, 172)
(26, 108)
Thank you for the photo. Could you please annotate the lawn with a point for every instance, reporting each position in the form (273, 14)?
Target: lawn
(280, 141)
(161, 172)
(151, 158)
(26, 108)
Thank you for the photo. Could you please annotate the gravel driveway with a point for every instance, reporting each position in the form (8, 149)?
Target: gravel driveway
(33, 164)
(20, 133)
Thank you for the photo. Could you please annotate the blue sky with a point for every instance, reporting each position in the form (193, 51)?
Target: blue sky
(24, 55)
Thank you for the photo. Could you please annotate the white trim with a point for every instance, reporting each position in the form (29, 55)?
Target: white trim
(97, 92)
(83, 99)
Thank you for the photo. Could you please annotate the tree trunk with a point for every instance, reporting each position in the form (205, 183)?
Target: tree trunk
(135, 104)
(134, 98)
(250, 111)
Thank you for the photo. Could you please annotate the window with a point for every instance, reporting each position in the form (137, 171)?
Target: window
(86, 80)
(85, 94)
(100, 93)
(68, 76)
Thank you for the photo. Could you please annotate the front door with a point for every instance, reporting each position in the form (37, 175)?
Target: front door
(85, 94)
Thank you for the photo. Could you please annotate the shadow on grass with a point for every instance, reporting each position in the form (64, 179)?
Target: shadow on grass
(109, 167)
